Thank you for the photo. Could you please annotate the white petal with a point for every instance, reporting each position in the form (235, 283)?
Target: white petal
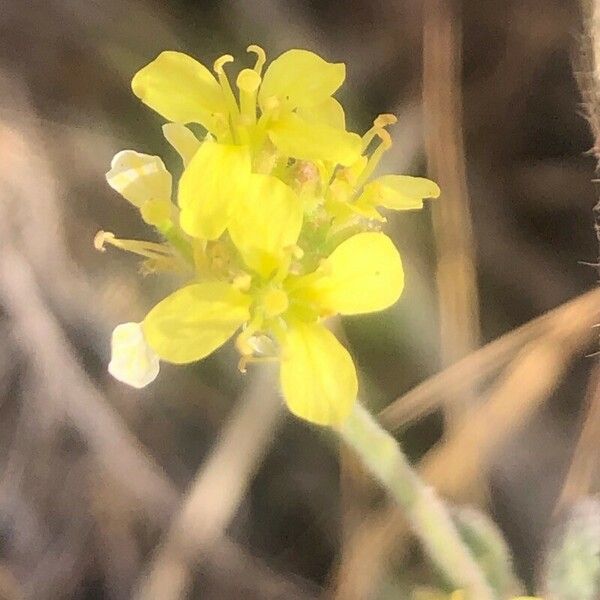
(139, 177)
(133, 362)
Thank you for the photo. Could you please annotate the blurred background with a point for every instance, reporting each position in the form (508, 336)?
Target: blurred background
(93, 473)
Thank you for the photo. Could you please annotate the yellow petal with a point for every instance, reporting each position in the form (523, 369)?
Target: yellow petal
(139, 177)
(209, 187)
(180, 89)
(300, 78)
(195, 320)
(186, 144)
(132, 360)
(363, 274)
(329, 112)
(398, 192)
(368, 211)
(157, 212)
(302, 139)
(267, 220)
(318, 377)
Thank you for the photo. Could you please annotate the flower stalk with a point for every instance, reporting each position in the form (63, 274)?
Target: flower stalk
(427, 515)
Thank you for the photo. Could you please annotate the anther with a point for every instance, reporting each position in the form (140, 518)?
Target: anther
(100, 239)
(384, 120)
(386, 144)
(261, 57)
(222, 60)
(379, 125)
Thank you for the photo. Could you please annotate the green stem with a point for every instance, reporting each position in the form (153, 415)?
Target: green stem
(174, 236)
(426, 513)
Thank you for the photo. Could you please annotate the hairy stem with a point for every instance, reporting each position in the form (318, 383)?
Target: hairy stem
(426, 513)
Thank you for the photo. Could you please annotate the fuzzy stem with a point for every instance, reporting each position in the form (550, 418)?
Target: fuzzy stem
(425, 512)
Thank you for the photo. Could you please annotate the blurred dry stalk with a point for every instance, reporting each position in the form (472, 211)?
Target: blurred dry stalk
(430, 395)
(583, 473)
(536, 368)
(216, 492)
(444, 146)
(588, 77)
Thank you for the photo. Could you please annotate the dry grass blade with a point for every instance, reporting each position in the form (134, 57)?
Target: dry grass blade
(216, 492)
(483, 363)
(584, 465)
(66, 383)
(587, 70)
(532, 376)
(442, 116)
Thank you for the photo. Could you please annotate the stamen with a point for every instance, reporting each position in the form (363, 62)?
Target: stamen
(140, 247)
(247, 360)
(241, 341)
(260, 131)
(386, 144)
(222, 60)
(384, 120)
(225, 85)
(261, 57)
(100, 239)
(379, 123)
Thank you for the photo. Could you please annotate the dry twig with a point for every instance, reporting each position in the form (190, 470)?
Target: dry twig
(442, 117)
(216, 492)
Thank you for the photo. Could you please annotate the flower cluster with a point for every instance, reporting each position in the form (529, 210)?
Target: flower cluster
(275, 225)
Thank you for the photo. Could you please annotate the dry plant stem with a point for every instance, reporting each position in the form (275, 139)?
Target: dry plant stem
(584, 466)
(424, 511)
(589, 83)
(216, 492)
(433, 393)
(66, 383)
(442, 116)
(530, 379)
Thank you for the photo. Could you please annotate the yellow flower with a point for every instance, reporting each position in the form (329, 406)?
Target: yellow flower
(318, 377)
(274, 229)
